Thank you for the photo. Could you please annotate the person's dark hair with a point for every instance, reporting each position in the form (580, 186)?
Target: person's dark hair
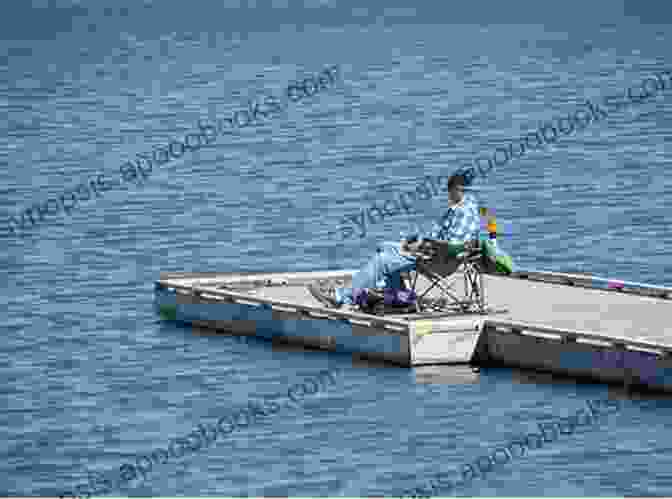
(456, 180)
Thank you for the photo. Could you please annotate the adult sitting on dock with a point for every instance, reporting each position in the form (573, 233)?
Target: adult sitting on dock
(460, 226)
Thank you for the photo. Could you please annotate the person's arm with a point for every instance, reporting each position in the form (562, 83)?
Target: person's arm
(411, 246)
(414, 244)
(414, 240)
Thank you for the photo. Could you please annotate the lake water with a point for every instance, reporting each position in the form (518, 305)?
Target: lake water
(91, 377)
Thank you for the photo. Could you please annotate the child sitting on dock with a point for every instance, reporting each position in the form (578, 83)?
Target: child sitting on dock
(460, 225)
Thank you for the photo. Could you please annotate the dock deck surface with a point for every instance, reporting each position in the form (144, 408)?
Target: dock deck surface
(574, 308)
(570, 308)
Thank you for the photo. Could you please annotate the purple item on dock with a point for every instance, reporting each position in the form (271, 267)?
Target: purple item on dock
(360, 296)
(394, 297)
(399, 297)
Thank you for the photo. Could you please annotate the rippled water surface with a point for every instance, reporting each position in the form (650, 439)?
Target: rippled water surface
(92, 379)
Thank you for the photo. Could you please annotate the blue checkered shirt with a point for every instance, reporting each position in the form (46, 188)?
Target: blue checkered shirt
(461, 223)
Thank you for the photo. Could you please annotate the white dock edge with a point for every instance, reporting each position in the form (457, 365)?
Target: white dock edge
(578, 354)
(448, 341)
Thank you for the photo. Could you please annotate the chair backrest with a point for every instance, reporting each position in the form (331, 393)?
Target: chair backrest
(440, 269)
(438, 260)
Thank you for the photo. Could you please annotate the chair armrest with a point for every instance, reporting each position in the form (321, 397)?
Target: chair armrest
(440, 250)
(425, 250)
(452, 248)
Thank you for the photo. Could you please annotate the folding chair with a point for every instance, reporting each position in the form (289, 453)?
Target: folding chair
(441, 263)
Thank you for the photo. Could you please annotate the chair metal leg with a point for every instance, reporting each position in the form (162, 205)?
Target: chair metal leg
(482, 288)
(478, 289)
(474, 288)
(446, 285)
(413, 287)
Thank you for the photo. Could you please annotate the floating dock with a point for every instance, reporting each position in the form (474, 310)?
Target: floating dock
(571, 324)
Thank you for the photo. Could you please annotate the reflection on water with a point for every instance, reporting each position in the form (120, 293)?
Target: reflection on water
(615, 391)
(447, 375)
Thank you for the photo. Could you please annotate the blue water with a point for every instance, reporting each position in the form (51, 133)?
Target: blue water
(90, 378)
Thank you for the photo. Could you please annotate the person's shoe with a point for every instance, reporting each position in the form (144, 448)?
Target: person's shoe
(324, 292)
